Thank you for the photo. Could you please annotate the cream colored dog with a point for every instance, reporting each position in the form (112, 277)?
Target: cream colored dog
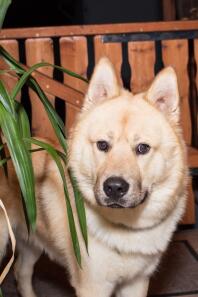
(128, 156)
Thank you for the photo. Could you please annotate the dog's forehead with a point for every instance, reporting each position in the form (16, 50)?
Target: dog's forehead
(128, 117)
(122, 110)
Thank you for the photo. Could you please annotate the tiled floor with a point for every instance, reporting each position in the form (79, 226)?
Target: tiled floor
(176, 276)
(178, 272)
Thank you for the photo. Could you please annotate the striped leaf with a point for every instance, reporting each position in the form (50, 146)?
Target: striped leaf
(80, 208)
(55, 156)
(4, 4)
(22, 161)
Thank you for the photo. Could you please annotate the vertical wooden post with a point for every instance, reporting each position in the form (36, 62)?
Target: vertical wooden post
(40, 50)
(73, 55)
(142, 61)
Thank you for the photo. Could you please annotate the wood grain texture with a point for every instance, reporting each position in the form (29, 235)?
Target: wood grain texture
(111, 50)
(189, 216)
(73, 56)
(73, 52)
(192, 157)
(98, 29)
(196, 58)
(8, 80)
(40, 50)
(141, 57)
(169, 13)
(175, 54)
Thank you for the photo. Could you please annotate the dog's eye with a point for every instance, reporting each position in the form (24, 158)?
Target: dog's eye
(142, 149)
(103, 145)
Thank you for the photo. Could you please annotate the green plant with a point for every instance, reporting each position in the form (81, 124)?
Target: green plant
(4, 4)
(15, 127)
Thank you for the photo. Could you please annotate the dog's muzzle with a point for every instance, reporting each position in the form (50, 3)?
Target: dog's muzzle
(115, 189)
(119, 194)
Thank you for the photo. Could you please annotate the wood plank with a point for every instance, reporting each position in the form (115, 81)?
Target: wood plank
(59, 90)
(193, 77)
(141, 57)
(196, 58)
(73, 55)
(40, 50)
(97, 29)
(9, 81)
(175, 54)
(111, 50)
(192, 157)
(189, 216)
(196, 79)
(169, 13)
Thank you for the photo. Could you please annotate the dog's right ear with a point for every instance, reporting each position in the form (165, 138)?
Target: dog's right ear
(103, 85)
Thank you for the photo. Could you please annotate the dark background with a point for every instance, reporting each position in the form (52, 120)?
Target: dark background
(31, 13)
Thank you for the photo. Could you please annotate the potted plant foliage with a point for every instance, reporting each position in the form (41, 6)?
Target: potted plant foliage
(15, 128)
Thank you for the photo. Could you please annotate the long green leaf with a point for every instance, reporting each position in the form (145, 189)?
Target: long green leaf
(1, 295)
(4, 161)
(11, 61)
(3, 157)
(4, 4)
(5, 99)
(16, 66)
(26, 75)
(23, 121)
(80, 208)
(57, 160)
(55, 120)
(22, 162)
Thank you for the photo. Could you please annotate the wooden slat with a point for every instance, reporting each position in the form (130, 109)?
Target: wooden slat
(59, 90)
(175, 53)
(98, 29)
(169, 13)
(196, 58)
(142, 61)
(192, 157)
(111, 50)
(73, 54)
(194, 92)
(13, 48)
(40, 50)
(189, 216)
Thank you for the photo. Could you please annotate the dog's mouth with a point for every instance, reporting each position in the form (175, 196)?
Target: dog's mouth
(115, 205)
(123, 203)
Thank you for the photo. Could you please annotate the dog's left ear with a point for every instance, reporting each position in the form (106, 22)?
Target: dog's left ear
(103, 84)
(164, 93)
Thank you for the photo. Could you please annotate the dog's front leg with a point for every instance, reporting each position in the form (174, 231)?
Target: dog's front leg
(91, 288)
(90, 291)
(139, 288)
(23, 269)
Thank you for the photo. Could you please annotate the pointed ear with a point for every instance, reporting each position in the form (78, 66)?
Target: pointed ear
(103, 84)
(164, 93)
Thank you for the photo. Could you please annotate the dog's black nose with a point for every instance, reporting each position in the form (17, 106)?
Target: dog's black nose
(115, 187)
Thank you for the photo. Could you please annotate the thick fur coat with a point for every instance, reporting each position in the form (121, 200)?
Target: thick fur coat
(128, 156)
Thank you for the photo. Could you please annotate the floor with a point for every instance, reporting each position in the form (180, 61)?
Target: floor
(176, 276)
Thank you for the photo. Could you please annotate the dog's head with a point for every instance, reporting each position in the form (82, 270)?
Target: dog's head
(126, 150)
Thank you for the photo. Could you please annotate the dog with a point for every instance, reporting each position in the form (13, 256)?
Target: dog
(129, 159)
